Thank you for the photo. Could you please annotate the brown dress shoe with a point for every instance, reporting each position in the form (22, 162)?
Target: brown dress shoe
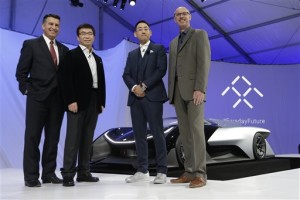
(181, 179)
(197, 182)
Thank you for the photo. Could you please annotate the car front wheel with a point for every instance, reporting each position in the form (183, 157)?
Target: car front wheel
(259, 146)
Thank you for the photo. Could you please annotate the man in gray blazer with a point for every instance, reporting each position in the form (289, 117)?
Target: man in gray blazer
(37, 76)
(189, 64)
(143, 73)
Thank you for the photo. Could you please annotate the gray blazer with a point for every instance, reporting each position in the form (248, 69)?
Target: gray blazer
(192, 61)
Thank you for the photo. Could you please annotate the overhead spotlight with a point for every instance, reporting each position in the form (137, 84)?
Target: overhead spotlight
(123, 4)
(76, 3)
(132, 2)
(115, 3)
(203, 0)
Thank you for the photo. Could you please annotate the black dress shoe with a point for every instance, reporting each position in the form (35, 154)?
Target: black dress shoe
(33, 183)
(52, 179)
(68, 181)
(87, 178)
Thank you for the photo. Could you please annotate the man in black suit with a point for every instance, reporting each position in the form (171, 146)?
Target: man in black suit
(82, 82)
(37, 77)
(143, 73)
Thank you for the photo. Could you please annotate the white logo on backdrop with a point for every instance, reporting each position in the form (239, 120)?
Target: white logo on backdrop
(242, 97)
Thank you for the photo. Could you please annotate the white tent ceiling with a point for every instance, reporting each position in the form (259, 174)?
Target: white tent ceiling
(242, 31)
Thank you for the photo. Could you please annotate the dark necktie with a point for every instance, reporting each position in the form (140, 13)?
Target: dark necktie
(53, 54)
(180, 39)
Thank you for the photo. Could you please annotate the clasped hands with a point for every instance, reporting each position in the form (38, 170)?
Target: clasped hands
(139, 90)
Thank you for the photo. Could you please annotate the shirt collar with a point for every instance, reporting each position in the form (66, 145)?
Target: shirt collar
(145, 45)
(86, 50)
(48, 40)
(185, 31)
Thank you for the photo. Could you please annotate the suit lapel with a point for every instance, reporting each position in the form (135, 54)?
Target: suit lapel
(186, 38)
(84, 59)
(135, 57)
(60, 51)
(44, 47)
(146, 58)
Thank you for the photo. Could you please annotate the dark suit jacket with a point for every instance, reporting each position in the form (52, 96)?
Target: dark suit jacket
(154, 68)
(193, 63)
(36, 71)
(76, 80)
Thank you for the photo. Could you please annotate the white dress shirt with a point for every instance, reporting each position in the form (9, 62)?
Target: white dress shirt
(144, 47)
(54, 45)
(92, 63)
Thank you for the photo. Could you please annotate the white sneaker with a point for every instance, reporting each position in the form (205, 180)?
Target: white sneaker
(138, 176)
(160, 178)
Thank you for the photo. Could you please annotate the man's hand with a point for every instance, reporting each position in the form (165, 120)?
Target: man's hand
(73, 107)
(198, 97)
(138, 91)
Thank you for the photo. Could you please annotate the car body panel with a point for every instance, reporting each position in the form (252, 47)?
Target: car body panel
(223, 144)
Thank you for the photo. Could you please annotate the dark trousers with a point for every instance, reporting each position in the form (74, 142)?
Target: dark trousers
(143, 111)
(47, 115)
(79, 138)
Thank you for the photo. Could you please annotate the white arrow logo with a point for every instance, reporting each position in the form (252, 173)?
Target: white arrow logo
(242, 97)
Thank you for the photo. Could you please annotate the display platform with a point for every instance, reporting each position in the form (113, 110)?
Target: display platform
(223, 171)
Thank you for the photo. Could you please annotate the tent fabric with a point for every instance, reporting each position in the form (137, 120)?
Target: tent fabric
(240, 31)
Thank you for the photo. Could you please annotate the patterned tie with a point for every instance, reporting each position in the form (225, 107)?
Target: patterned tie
(143, 52)
(53, 54)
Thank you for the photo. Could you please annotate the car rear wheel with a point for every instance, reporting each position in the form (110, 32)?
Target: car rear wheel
(259, 146)
(179, 152)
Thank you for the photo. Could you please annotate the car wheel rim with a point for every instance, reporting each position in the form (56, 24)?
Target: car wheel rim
(259, 146)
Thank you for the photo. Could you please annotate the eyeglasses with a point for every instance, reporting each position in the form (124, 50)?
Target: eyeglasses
(183, 14)
(86, 33)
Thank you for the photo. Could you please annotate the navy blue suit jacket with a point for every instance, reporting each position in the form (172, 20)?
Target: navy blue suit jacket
(153, 69)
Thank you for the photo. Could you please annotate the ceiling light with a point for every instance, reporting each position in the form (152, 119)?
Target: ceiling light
(132, 2)
(123, 4)
(115, 3)
(76, 3)
(105, 1)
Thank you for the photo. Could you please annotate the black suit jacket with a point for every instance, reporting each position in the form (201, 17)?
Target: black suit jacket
(76, 80)
(153, 69)
(36, 71)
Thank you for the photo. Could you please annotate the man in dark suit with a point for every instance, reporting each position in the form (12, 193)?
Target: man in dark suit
(189, 65)
(36, 74)
(143, 73)
(82, 81)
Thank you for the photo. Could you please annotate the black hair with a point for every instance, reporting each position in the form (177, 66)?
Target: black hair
(51, 15)
(141, 21)
(85, 26)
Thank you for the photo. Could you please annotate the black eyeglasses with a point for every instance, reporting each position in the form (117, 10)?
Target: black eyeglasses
(182, 13)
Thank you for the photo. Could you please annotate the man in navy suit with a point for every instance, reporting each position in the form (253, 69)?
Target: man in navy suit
(82, 82)
(37, 77)
(143, 73)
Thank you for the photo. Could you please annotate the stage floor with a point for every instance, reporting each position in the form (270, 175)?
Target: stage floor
(278, 185)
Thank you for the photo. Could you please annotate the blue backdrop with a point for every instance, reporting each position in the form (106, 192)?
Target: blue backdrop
(267, 96)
